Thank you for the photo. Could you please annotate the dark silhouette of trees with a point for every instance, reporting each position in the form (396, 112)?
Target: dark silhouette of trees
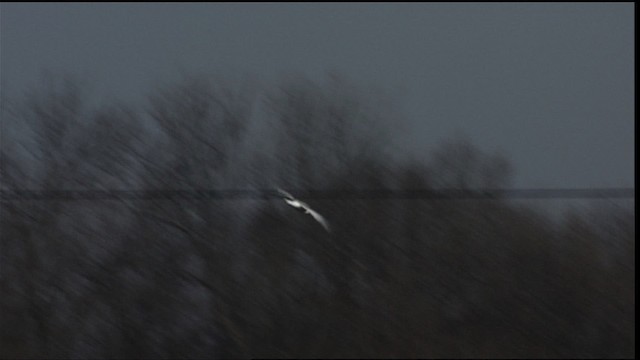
(196, 278)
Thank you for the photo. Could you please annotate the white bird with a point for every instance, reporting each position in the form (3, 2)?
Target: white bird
(301, 206)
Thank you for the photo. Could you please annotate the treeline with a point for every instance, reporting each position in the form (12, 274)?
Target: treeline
(253, 278)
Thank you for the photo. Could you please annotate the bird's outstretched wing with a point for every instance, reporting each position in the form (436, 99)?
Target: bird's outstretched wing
(286, 194)
(319, 219)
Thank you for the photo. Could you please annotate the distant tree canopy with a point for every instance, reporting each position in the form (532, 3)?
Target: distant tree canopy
(216, 278)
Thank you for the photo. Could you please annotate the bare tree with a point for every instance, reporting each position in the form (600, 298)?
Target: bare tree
(172, 278)
(459, 164)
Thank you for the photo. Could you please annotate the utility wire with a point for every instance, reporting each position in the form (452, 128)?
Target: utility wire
(347, 194)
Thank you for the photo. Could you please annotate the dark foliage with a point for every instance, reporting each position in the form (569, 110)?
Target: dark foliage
(217, 278)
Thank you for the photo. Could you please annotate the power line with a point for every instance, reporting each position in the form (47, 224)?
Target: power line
(347, 194)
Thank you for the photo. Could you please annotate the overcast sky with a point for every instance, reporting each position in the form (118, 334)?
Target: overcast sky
(551, 85)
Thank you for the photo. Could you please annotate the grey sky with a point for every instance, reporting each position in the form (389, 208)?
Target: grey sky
(550, 84)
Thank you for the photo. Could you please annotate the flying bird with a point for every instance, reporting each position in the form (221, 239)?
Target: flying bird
(303, 207)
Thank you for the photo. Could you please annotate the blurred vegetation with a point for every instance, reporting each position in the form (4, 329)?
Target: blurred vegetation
(254, 278)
